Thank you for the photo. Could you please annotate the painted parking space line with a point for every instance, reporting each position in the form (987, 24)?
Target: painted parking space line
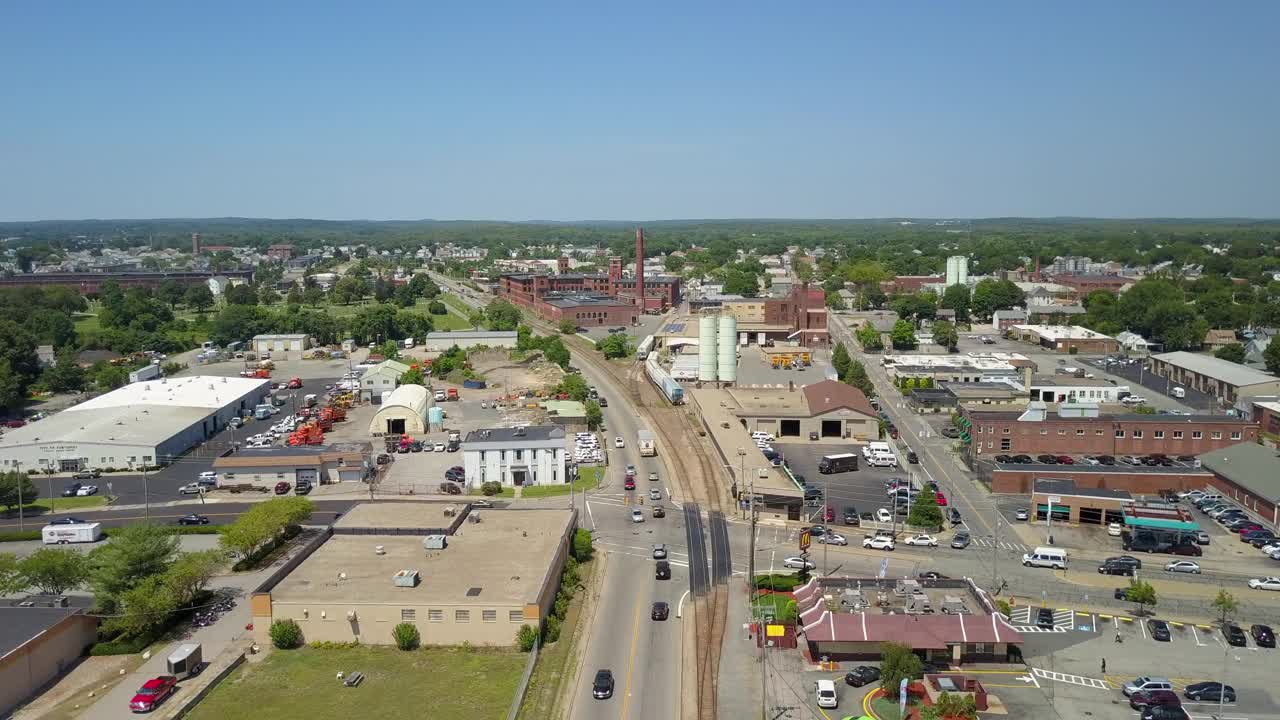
(1070, 679)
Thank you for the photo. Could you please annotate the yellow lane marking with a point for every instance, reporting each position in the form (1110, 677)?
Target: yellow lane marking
(631, 661)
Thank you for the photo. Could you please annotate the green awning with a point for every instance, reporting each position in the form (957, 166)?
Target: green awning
(1161, 524)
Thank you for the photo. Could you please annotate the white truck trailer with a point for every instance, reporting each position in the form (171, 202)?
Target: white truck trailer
(71, 533)
(648, 443)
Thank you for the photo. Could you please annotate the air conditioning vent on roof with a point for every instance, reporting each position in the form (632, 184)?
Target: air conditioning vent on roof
(473, 592)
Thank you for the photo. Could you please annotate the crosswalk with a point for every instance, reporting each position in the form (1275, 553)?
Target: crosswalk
(1002, 544)
(1071, 679)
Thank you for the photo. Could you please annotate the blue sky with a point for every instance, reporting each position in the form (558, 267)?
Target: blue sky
(655, 110)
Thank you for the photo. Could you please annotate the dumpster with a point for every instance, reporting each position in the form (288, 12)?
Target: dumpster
(185, 660)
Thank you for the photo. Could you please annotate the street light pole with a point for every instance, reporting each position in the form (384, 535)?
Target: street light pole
(146, 492)
(21, 477)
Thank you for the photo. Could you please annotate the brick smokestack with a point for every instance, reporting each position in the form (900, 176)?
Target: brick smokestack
(640, 267)
(562, 265)
(195, 243)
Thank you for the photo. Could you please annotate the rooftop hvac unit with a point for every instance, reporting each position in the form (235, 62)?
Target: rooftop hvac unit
(434, 542)
(379, 550)
(405, 578)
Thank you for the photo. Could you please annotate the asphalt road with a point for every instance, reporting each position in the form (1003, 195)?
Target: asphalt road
(219, 512)
(644, 654)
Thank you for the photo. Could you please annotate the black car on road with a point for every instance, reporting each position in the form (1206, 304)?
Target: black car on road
(660, 611)
(602, 688)
(662, 571)
(862, 675)
(1044, 617)
(1120, 565)
(193, 519)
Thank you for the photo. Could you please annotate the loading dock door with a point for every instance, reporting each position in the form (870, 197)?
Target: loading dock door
(395, 426)
(789, 428)
(831, 428)
(310, 475)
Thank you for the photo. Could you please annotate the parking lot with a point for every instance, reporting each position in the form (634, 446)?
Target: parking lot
(1136, 375)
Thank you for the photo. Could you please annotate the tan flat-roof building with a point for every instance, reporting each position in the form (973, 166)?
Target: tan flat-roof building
(457, 573)
(827, 411)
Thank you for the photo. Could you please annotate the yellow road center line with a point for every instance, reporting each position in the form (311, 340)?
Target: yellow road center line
(631, 660)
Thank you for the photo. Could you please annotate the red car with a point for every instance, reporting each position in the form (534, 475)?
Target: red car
(1147, 698)
(1066, 460)
(282, 488)
(153, 692)
(1248, 528)
(15, 423)
(630, 484)
(942, 499)
(830, 514)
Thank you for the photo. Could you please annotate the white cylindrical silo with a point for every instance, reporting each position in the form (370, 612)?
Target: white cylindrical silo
(707, 348)
(728, 365)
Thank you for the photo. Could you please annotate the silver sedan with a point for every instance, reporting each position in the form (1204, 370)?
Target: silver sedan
(1183, 566)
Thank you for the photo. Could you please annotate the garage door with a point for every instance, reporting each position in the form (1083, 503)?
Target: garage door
(310, 475)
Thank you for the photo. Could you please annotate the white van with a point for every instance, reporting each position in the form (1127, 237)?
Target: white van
(882, 459)
(1046, 557)
(408, 343)
(1179, 393)
(826, 692)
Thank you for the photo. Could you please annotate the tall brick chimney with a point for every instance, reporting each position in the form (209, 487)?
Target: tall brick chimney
(640, 267)
(195, 243)
(562, 265)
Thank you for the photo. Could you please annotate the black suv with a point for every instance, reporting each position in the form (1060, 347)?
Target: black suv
(912, 457)
(662, 571)
(660, 611)
(1234, 635)
(1159, 630)
(71, 490)
(851, 516)
(602, 688)
(1044, 617)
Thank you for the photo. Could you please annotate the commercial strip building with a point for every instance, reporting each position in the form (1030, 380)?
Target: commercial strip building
(380, 380)
(1073, 503)
(460, 575)
(1066, 338)
(1229, 382)
(314, 464)
(1083, 430)
(403, 412)
(145, 423)
(779, 496)
(527, 455)
(1249, 474)
(1068, 389)
(971, 368)
(1137, 479)
(826, 412)
(949, 621)
(467, 339)
(41, 637)
(950, 395)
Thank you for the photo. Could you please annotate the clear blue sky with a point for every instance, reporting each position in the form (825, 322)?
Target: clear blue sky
(644, 110)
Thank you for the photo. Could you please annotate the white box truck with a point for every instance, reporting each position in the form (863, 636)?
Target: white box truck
(71, 533)
(648, 443)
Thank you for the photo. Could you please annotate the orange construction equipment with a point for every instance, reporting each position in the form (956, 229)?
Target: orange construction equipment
(308, 434)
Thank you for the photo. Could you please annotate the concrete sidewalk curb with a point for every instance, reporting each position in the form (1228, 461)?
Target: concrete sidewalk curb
(584, 626)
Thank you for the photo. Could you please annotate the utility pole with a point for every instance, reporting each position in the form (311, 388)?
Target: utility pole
(995, 556)
(21, 476)
(826, 508)
(146, 492)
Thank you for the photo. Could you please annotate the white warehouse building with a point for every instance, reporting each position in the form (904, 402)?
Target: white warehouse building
(145, 423)
(533, 455)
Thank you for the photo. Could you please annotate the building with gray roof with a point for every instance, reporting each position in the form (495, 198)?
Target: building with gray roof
(1227, 381)
(1249, 474)
(530, 455)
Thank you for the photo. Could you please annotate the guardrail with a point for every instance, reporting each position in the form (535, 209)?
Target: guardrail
(523, 686)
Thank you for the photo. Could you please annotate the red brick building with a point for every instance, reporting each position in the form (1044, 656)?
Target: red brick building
(527, 289)
(585, 309)
(1139, 480)
(908, 283)
(999, 432)
(280, 252)
(1085, 284)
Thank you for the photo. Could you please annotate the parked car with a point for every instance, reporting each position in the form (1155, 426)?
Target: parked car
(1270, 583)
(883, 515)
(862, 675)
(961, 540)
(196, 488)
(71, 490)
(1065, 460)
(1234, 635)
(1047, 459)
(193, 519)
(1202, 538)
(1209, 691)
(1263, 635)
(1159, 630)
(283, 488)
(798, 563)
(87, 475)
(152, 693)
(1021, 514)
(851, 516)
(87, 490)
(1114, 529)
(1146, 698)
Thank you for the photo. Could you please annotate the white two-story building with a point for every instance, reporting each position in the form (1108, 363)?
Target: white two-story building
(533, 455)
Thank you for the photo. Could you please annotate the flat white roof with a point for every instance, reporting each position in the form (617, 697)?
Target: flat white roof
(1212, 367)
(1063, 332)
(66, 432)
(943, 361)
(198, 391)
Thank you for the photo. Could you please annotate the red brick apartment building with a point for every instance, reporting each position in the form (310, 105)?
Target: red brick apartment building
(1085, 284)
(526, 289)
(998, 432)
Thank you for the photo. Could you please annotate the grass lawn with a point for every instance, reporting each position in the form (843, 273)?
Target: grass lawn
(68, 503)
(507, 492)
(556, 661)
(584, 482)
(440, 683)
(455, 302)
(445, 323)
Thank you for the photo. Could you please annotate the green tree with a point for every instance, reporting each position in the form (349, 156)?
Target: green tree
(903, 335)
(1271, 355)
(841, 361)
(595, 417)
(554, 351)
(1141, 593)
(502, 315)
(737, 282)
(897, 662)
(389, 349)
(413, 376)
(1226, 604)
(349, 289)
(267, 295)
(925, 512)
(857, 377)
(143, 608)
(286, 634)
(54, 571)
(171, 292)
(406, 636)
(135, 553)
(262, 523)
(944, 334)
(423, 287)
(199, 297)
(65, 375)
(834, 301)
(582, 547)
(1231, 353)
(188, 577)
(567, 327)
(110, 377)
(18, 361)
(526, 638)
(241, 295)
(869, 338)
(51, 326)
(615, 345)
(956, 297)
(14, 485)
(574, 386)
(11, 580)
(991, 295)
(403, 297)
(313, 296)
(435, 307)
(294, 297)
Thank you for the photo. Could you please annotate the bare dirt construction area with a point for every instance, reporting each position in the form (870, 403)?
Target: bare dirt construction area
(503, 373)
